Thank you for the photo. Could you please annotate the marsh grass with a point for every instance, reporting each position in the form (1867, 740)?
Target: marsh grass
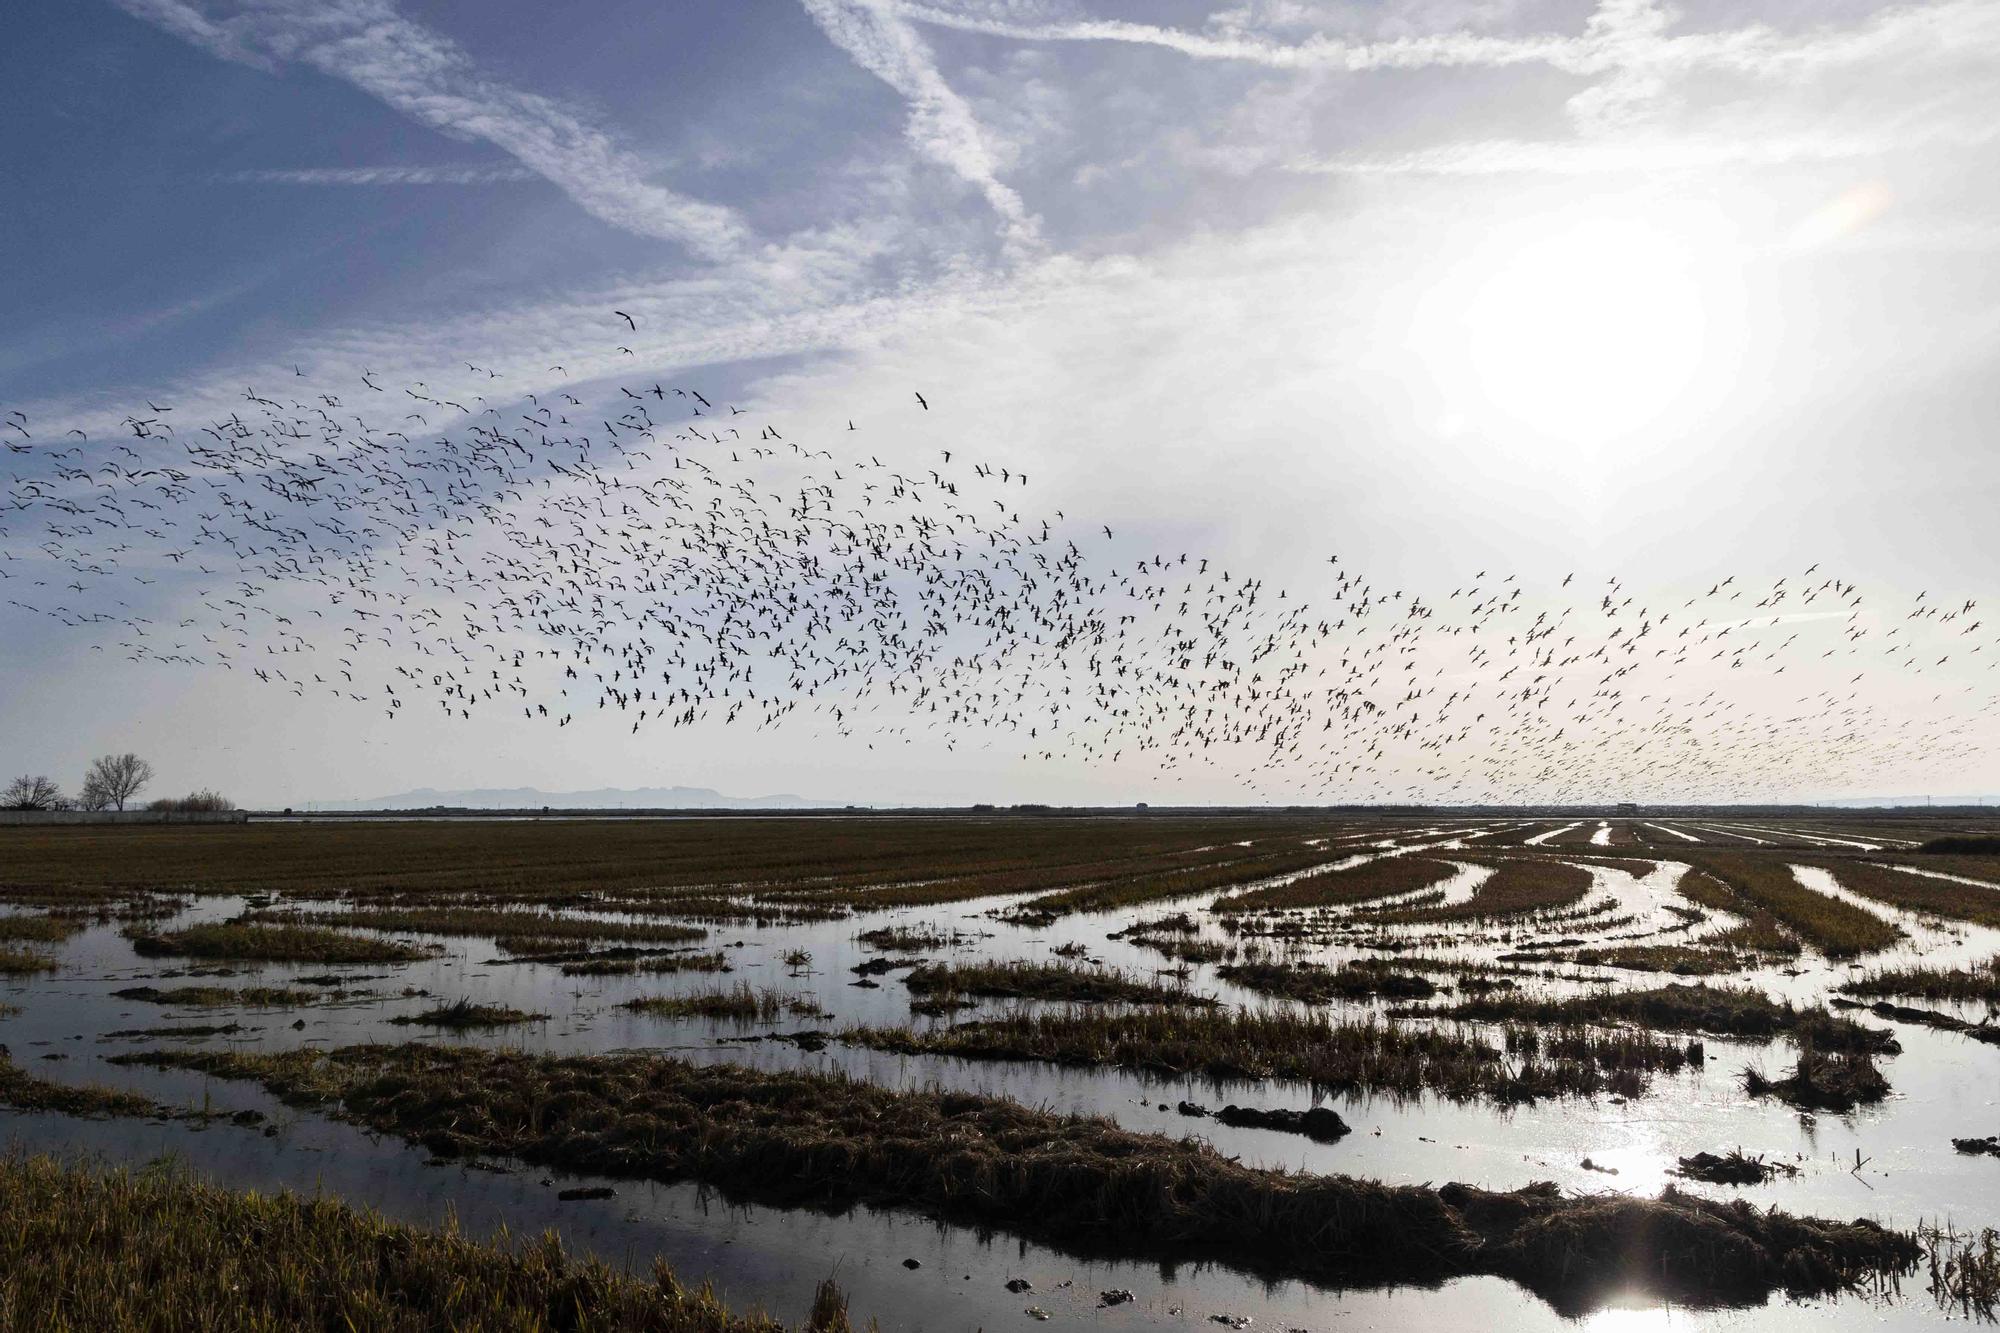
(910, 939)
(1979, 904)
(1314, 983)
(217, 997)
(1835, 928)
(25, 1092)
(1080, 1182)
(160, 1249)
(463, 1015)
(741, 1002)
(1518, 887)
(1716, 1010)
(1977, 984)
(22, 962)
(1405, 1060)
(1383, 877)
(1964, 1270)
(515, 931)
(1734, 1167)
(1045, 981)
(651, 966)
(1823, 1081)
(274, 943)
(39, 928)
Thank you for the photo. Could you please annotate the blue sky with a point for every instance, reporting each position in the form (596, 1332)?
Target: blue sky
(1657, 293)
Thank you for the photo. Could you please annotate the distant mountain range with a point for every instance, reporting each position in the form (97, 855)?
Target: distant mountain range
(605, 798)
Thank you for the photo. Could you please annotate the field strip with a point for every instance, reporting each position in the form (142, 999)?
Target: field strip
(1734, 833)
(1812, 837)
(1684, 837)
(1541, 838)
(1936, 874)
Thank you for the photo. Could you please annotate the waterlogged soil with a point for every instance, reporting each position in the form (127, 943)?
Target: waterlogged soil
(1893, 1161)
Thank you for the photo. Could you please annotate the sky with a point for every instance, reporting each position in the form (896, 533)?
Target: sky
(1640, 295)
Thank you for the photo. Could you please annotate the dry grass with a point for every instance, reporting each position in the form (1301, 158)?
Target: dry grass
(38, 928)
(1404, 1060)
(1716, 1010)
(653, 966)
(25, 1092)
(219, 997)
(1823, 1081)
(161, 1250)
(1977, 984)
(1315, 984)
(464, 1015)
(515, 931)
(242, 941)
(1076, 1181)
(22, 962)
(741, 1003)
(1045, 981)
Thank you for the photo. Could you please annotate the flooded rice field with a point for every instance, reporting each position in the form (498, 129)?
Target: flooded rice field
(772, 1051)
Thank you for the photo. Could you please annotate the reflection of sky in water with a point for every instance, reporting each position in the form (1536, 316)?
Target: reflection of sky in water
(1945, 1087)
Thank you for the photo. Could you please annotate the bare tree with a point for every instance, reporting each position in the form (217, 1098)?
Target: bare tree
(92, 795)
(31, 793)
(118, 777)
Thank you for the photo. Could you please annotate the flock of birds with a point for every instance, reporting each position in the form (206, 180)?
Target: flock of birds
(656, 559)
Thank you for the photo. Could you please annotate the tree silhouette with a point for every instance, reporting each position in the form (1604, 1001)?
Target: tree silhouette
(116, 778)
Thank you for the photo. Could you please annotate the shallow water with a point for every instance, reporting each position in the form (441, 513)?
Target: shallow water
(1944, 1085)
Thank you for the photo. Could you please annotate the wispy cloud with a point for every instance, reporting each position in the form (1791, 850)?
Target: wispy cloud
(942, 126)
(431, 175)
(427, 77)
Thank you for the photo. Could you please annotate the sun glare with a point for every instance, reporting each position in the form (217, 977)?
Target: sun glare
(1585, 334)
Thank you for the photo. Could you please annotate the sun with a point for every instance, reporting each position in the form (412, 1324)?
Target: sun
(1585, 332)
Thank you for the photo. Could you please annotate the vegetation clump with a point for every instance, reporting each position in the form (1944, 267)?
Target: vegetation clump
(463, 1015)
(1045, 981)
(909, 939)
(38, 928)
(1823, 1081)
(1979, 983)
(1716, 1010)
(655, 965)
(1734, 1167)
(741, 1002)
(1314, 983)
(515, 931)
(274, 943)
(19, 962)
(1525, 1064)
(126, 1252)
(217, 997)
(25, 1092)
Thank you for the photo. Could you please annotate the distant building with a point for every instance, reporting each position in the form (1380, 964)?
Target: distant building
(1141, 805)
(1628, 807)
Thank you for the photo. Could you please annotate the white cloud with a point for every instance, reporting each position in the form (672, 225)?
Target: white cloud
(942, 126)
(386, 175)
(425, 76)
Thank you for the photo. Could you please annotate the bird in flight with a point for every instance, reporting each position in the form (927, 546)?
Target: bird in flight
(922, 403)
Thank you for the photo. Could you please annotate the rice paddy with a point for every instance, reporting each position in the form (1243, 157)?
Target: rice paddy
(1172, 1056)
